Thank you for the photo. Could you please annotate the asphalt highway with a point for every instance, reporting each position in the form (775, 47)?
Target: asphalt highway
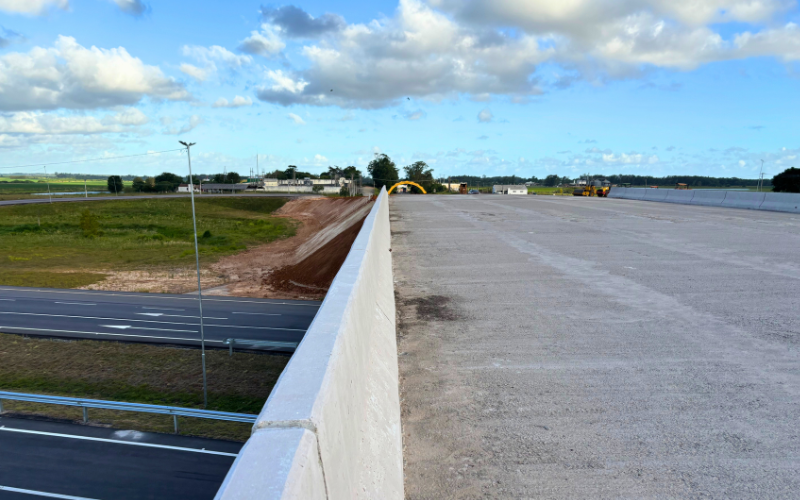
(155, 318)
(57, 460)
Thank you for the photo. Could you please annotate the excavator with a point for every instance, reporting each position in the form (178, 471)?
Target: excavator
(592, 188)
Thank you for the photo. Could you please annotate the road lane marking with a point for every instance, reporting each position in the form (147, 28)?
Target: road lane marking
(158, 315)
(162, 308)
(126, 327)
(152, 337)
(116, 441)
(76, 303)
(157, 322)
(41, 493)
(259, 314)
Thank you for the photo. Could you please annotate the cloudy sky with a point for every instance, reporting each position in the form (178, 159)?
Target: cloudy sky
(526, 87)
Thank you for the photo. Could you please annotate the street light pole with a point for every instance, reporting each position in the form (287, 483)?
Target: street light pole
(761, 176)
(49, 194)
(199, 288)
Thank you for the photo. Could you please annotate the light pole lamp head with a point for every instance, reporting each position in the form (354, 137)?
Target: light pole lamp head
(187, 145)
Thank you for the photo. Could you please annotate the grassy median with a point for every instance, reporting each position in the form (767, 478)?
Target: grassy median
(137, 373)
(67, 245)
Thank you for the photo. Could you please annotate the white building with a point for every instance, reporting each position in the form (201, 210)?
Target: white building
(184, 188)
(509, 189)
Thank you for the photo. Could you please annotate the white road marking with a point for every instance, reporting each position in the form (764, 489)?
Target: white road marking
(149, 321)
(108, 334)
(162, 308)
(41, 493)
(258, 314)
(76, 303)
(116, 441)
(125, 327)
(158, 315)
(9, 300)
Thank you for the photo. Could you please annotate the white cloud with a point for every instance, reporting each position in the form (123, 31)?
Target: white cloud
(439, 49)
(237, 102)
(132, 7)
(485, 116)
(627, 159)
(296, 119)
(26, 122)
(265, 43)
(211, 58)
(190, 125)
(69, 75)
(31, 7)
(418, 52)
(199, 74)
(320, 159)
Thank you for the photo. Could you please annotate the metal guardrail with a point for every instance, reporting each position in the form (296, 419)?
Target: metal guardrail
(261, 345)
(175, 411)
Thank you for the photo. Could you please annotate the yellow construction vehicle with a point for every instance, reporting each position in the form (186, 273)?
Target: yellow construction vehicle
(592, 188)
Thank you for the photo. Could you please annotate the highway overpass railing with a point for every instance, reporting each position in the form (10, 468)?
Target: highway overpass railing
(175, 411)
(331, 426)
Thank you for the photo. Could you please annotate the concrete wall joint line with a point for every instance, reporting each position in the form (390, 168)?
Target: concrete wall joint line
(287, 424)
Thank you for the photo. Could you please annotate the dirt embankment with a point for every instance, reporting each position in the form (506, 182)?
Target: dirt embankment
(302, 266)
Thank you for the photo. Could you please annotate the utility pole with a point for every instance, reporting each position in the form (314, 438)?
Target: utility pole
(85, 189)
(199, 288)
(47, 179)
(761, 176)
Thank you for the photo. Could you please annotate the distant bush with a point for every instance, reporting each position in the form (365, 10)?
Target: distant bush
(787, 181)
(90, 225)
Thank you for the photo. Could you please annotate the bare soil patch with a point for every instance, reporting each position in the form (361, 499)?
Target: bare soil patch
(250, 273)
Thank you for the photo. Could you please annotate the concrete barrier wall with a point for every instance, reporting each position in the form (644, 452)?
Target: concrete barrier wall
(708, 197)
(781, 202)
(331, 426)
(743, 199)
(775, 202)
(679, 196)
(655, 194)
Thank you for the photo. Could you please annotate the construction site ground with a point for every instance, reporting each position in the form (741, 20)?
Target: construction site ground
(570, 347)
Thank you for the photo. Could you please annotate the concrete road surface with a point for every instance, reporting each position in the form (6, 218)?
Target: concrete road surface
(562, 348)
(56, 460)
(154, 318)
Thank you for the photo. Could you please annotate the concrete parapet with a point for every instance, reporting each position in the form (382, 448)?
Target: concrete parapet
(679, 196)
(781, 202)
(708, 197)
(743, 199)
(340, 391)
(655, 194)
(617, 192)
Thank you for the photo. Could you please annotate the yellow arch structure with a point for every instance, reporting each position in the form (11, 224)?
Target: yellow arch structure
(406, 182)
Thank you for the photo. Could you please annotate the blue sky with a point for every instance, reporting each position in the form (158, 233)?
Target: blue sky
(525, 87)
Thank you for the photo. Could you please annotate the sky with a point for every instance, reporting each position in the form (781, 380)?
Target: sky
(479, 87)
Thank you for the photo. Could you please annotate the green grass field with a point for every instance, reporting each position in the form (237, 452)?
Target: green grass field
(65, 245)
(137, 373)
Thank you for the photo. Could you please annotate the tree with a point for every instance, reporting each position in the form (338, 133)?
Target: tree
(551, 180)
(149, 184)
(317, 188)
(351, 172)
(420, 173)
(168, 182)
(233, 178)
(138, 184)
(115, 184)
(787, 181)
(383, 170)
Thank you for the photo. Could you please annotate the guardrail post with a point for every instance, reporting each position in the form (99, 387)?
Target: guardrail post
(175, 421)
(1, 406)
(85, 414)
(230, 347)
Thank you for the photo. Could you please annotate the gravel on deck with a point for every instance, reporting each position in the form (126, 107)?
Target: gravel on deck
(559, 347)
